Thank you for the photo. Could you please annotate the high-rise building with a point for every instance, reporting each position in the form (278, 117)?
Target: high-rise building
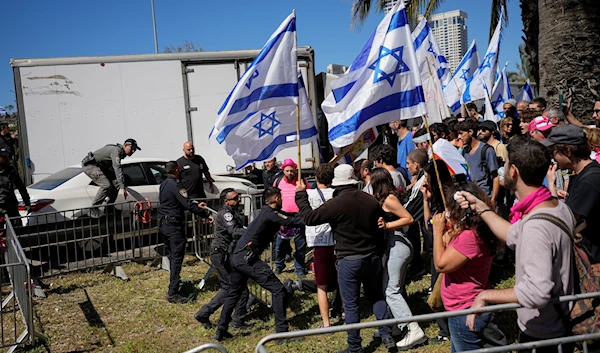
(389, 4)
(450, 30)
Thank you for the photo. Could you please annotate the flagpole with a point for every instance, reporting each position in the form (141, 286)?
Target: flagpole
(298, 110)
(437, 173)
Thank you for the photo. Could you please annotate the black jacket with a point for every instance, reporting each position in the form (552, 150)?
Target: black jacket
(263, 229)
(269, 176)
(9, 180)
(228, 228)
(353, 216)
(174, 201)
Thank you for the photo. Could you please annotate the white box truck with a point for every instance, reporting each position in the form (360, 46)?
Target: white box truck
(69, 106)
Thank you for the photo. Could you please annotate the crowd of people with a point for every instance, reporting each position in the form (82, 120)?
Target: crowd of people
(528, 183)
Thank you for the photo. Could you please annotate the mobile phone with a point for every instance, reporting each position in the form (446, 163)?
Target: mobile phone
(561, 100)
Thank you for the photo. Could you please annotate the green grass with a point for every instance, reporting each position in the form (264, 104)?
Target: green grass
(94, 312)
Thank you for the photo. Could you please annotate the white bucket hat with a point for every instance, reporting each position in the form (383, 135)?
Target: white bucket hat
(343, 174)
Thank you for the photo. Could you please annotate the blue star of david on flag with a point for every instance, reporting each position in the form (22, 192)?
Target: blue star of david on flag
(487, 61)
(430, 49)
(497, 101)
(254, 75)
(464, 74)
(263, 119)
(381, 75)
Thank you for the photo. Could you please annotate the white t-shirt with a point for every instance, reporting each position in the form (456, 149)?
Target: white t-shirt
(319, 235)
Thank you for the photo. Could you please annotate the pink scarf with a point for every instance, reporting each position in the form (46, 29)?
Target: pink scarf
(527, 204)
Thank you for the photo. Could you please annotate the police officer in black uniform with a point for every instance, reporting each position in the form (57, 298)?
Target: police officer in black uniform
(228, 230)
(9, 180)
(174, 202)
(245, 262)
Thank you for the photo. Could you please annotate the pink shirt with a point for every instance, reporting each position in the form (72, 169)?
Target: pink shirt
(288, 194)
(460, 287)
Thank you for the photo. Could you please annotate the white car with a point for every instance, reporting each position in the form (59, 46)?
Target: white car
(68, 194)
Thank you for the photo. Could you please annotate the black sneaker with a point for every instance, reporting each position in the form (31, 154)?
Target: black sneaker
(177, 299)
(347, 350)
(240, 326)
(222, 335)
(205, 321)
(289, 340)
(390, 344)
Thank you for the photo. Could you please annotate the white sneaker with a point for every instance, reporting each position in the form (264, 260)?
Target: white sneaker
(414, 337)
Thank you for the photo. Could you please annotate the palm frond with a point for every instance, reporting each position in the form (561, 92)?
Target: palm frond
(497, 7)
(432, 6)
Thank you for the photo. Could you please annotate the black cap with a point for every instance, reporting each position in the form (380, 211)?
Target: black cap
(565, 135)
(133, 143)
(4, 153)
(488, 125)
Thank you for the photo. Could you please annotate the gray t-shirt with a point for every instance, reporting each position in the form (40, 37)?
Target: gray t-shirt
(399, 181)
(478, 172)
(544, 270)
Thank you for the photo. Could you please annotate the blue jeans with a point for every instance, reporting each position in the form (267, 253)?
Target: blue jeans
(368, 272)
(282, 247)
(462, 338)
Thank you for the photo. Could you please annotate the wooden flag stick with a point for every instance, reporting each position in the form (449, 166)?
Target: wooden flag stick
(298, 141)
(437, 173)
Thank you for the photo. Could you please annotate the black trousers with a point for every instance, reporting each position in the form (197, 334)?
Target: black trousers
(262, 274)
(175, 242)
(523, 338)
(221, 265)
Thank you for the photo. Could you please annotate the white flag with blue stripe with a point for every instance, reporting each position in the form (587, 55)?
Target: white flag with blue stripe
(426, 46)
(526, 93)
(501, 93)
(2, 111)
(482, 81)
(262, 134)
(383, 83)
(270, 81)
(454, 88)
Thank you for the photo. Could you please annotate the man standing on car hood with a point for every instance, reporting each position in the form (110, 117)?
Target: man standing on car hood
(104, 168)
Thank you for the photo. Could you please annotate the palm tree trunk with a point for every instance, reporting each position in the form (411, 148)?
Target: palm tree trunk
(531, 30)
(569, 52)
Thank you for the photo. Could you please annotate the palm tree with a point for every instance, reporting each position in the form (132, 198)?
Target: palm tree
(562, 44)
(9, 108)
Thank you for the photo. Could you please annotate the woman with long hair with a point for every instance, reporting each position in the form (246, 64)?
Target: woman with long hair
(466, 261)
(506, 129)
(399, 253)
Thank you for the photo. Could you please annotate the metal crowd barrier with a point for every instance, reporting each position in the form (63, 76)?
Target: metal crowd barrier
(260, 347)
(208, 346)
(16, 316)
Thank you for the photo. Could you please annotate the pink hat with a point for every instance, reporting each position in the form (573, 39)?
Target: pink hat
(289, 163)
(541, 123)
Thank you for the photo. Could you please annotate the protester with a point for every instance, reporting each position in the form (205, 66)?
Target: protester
(246, 263)
(596, 114)
(526, 116)
(487, 133)
(362, 171)
(555, 116)
(383, 156)
(421, 139)
(359, 243)
(321, 239)
(539, 128)
(506, 129)
(439, 131)
(453, 137)
(510, 108)
(521, 106)
(270, 172)
(398, 252)
(549, 273)
(481, 159)
(405, 145)
(538, 105)
(570, 149)
(466, 261)
(287, 184)
(470, 110)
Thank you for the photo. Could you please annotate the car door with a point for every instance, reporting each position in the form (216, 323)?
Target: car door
(156, 173)
(137, 184)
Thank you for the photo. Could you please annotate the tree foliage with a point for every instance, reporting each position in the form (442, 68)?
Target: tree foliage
(185, 47)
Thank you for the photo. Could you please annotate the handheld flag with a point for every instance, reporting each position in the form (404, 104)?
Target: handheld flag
(262, 134)
(427, 46)
(526, 93)
(456, 163)
(270, 81)
(483, 80)
(501, 93)
(381, 85)
(454, 88)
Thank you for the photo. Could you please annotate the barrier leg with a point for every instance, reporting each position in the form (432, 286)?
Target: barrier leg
(37, 289)
(203, 280)
(117, 271)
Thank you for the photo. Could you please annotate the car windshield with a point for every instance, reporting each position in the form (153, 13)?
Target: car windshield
(56, 179)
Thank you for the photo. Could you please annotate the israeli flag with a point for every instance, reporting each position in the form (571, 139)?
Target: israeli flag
(483, 79)
(454, 88)
(426, 46)
(2, 111)
(501, 93)
(383, 83)
(270, 81)
(262, 134)
(526, 93)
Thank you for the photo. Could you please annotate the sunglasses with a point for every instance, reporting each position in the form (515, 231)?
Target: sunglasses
(235, 198)
(596, 111)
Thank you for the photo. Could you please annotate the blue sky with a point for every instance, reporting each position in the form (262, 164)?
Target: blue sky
(41, 28)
